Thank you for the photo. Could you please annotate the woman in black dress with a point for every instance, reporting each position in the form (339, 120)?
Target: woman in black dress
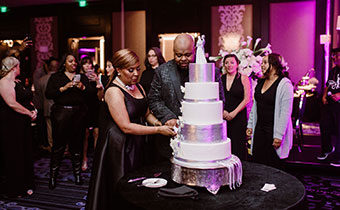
(16, 113)
(121, 132)
(69, 90)
(237, 95)
(270, 124)
(104, 79)
(153, 59)
(87, 68)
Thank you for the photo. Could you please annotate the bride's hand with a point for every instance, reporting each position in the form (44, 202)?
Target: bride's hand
(166, 130)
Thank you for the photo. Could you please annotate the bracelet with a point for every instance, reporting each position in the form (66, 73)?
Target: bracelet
(154, 122)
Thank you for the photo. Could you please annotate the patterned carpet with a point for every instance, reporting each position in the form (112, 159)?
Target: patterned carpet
(322, 192)
(322, 185)
(66, 195)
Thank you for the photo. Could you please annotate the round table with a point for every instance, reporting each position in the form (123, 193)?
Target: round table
(289, 191)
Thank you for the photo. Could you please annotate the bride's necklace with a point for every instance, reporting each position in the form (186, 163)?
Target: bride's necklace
(128, 87)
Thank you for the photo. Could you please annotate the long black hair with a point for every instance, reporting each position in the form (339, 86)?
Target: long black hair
(63, 61)
(84, 60)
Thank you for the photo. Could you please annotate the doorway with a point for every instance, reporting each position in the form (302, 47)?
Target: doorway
(89, 46)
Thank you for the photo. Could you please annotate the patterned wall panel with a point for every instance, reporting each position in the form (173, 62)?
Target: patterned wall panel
(230, 24)
(45, 40)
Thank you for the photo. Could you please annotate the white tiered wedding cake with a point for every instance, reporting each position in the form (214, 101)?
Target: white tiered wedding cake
(201, 150)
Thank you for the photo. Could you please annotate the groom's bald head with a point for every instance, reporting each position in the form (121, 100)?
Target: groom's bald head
(184, 50)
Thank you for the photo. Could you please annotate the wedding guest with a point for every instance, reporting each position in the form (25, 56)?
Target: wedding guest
(237, 94)
(270, 124)
(330, 115)
(104, 79)
(68, 89)
(154, 58)
(87, 68)
(121, 131)
(16, 113)
(45, 128)
(165, 94)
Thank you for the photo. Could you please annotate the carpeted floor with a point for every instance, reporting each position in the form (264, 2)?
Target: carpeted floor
(322, 191)
(321, 181)
(66, 195)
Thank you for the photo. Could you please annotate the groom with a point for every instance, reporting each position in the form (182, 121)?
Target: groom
(165, 94)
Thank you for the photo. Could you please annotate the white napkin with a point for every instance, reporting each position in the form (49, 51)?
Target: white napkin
(268, 187)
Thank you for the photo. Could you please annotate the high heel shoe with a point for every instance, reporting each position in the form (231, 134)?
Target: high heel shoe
(84, 166)
(78, 180)
(52, 183)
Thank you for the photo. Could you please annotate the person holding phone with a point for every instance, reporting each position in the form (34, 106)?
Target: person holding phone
(69, 90)
(87, 67)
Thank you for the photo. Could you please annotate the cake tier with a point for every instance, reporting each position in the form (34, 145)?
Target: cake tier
(202, 72)
(187, 151)
(201, 91)
(204, 133)
(202, 113)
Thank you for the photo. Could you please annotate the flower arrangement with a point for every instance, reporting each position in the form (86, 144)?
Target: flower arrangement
(250, 58)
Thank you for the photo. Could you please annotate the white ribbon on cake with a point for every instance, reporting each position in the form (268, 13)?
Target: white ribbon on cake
(234, 167)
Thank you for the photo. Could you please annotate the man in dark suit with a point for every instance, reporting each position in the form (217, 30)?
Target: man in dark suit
(165, 94)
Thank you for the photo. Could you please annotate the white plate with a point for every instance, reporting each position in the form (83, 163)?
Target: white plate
(154, 182)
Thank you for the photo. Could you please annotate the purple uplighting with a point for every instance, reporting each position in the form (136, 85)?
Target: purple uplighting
(84, 50)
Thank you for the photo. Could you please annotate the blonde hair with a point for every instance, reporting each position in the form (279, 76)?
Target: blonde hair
(7, 64)
(122, 59)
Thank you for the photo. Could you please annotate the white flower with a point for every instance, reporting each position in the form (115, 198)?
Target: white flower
(256, 43)
(250, 64)
(249, 40)
(182, 89)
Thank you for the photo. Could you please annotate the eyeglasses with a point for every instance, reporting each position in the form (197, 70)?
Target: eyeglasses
(187, 55)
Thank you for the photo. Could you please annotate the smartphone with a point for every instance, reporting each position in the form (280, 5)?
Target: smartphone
(89, 72)
(76, 78)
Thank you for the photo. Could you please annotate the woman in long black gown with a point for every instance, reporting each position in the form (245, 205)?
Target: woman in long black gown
(237, 94)
(16, 113)
(121, 132)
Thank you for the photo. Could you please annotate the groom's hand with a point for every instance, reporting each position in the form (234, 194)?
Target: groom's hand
(171, 123)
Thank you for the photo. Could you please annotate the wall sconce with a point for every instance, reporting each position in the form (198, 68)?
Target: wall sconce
(338, 23)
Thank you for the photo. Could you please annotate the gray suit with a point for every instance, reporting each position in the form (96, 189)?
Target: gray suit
(165, 94)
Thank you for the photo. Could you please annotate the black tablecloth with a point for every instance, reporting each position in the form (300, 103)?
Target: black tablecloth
(290, 191)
